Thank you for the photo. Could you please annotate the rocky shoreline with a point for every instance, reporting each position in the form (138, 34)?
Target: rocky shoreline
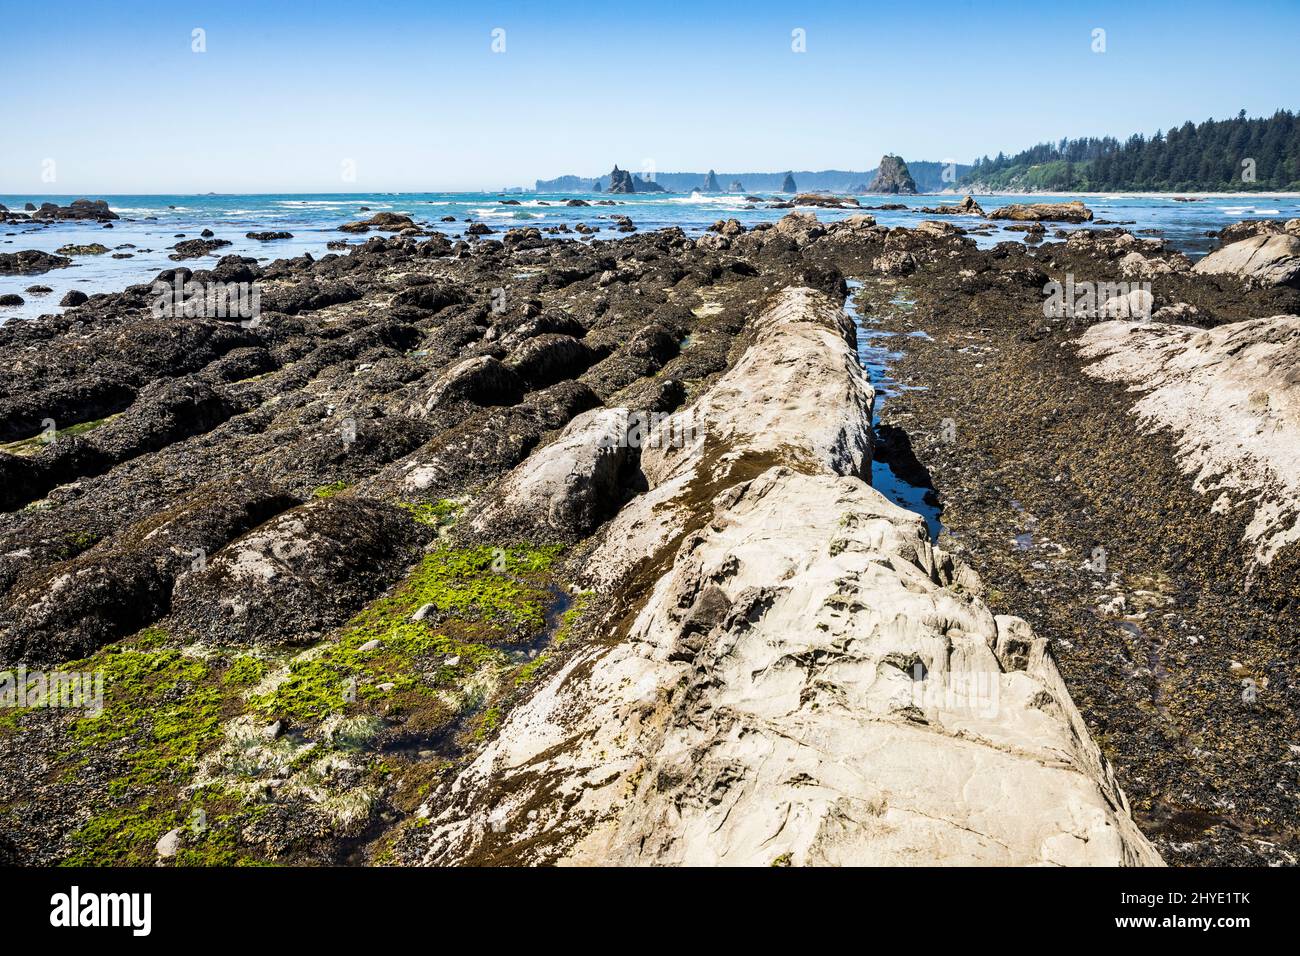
(393, 572)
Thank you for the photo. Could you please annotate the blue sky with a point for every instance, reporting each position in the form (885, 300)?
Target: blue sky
(413, 96)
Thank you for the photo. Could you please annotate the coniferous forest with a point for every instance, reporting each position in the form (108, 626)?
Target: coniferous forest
(1239, 154)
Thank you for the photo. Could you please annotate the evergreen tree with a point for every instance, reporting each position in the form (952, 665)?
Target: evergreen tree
(1205, 156)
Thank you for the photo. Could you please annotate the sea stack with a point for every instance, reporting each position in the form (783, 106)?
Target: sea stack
(787, 185)
(620, 181)
(892, 177)
(711, 183)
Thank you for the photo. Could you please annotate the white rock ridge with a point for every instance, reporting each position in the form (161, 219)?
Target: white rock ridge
(793, 674)
(1264, 260)
(1231, 398)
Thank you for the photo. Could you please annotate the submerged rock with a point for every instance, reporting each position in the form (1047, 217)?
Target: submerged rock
(30, 262)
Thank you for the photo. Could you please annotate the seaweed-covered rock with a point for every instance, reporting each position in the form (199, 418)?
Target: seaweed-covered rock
(303, 572)
(1073, 211)
(30, 262)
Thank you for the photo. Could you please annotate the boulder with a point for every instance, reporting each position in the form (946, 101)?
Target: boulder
(1073, 211)
(298, 575)
(565, 489)
(195, 248)
(30, 262)
(967, 207)
(937, 229)
(802, 227)
(383, 221)
(546, 359)
(896, 262)
(825, 201)
(1261, 260)
(482, 380)
(1249, 228)
(96, 209)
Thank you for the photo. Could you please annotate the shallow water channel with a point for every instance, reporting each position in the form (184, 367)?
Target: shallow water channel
(877, 352)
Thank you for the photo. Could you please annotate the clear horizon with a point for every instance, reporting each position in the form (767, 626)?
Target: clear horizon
(412, 98)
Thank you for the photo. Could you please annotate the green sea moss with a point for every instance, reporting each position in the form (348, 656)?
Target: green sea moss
(472, 597)
(245, 670)
(162, 711)
(434, 515)
(330, 490)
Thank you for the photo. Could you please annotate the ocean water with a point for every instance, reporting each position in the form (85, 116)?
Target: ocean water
(151, 224)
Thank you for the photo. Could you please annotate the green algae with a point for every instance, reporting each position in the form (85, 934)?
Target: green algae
(330, 490)
(27, 447)
(164, 710)
(245, 670)
(471, 598)
(435, 515)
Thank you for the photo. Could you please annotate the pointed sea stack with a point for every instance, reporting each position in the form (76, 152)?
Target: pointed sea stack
(787, 185)
(620, 181)
(892, 177)
(711, 183)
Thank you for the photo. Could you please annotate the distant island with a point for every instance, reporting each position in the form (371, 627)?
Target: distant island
(927, 176)
(1240, 154)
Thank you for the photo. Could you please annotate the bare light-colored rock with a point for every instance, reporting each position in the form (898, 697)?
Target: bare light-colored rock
(1262, 260)
(797, 396)
(1073, 211)
(793, 673)
(567, 487)
(1231, 397)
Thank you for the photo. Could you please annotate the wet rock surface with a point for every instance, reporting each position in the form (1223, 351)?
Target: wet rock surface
(322, 558)
(1176, 643)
